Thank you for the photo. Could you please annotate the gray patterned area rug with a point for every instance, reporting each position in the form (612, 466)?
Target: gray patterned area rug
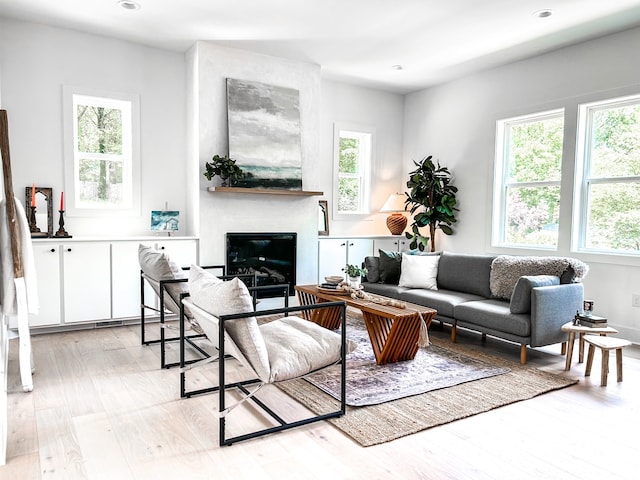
(384, 422)
(368, 383)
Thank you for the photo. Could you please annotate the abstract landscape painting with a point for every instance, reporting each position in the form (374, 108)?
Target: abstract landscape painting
(264, 134)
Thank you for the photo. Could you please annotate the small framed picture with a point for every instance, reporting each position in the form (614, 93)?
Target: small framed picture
(165, 221)
(323, 218)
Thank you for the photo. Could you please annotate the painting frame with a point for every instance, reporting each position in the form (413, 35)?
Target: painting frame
(265, 135)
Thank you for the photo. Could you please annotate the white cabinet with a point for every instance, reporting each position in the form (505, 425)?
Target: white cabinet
(47, 263)
(396, 243)
(335, 253)
(89, 281)
(86, 282)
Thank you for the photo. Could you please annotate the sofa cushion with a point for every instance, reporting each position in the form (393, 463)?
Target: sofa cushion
(390, 266)
(465, 273)
(228, 297)
(443, 301)
(419, 271)
(384, 289)
(521, 296)
(495, 315)
(372, 264)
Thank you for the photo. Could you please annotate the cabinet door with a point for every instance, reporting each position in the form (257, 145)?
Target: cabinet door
(125, 283)
(183, 252)
(87, 282)
(332, 257)
(357, 249)
(47, 263)
(393, 244)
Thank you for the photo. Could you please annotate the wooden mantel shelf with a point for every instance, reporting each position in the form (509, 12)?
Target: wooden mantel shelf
(264, 191)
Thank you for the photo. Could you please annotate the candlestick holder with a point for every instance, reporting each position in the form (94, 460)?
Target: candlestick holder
(33, 227)
(61, 231)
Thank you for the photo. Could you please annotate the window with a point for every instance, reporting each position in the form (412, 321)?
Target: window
(102, 160)
(608, 177)
(527, 180)
(352, 164)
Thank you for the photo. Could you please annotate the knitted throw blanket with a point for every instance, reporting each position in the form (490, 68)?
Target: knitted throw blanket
(507, 269)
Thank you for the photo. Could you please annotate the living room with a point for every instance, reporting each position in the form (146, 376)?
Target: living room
(183, 123)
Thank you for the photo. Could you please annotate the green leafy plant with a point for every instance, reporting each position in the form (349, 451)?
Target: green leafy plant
(433, 197)
(223, 167)
(354, 271)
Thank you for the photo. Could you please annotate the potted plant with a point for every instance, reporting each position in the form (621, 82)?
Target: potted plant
(223, 167)
(354, 273)
(433, 196)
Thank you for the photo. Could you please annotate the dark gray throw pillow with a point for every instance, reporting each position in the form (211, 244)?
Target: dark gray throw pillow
(372, 264)
(390, 266)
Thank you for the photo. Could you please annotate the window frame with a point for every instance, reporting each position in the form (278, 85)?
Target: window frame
(366, 166)
(501, 183)
(583, 180)
(131, 161)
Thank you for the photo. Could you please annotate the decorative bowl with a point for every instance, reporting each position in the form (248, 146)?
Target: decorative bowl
(334, 279)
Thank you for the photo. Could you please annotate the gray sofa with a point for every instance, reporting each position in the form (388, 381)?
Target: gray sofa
(520, 299)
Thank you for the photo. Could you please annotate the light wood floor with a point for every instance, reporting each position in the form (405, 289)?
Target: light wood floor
(102, 409)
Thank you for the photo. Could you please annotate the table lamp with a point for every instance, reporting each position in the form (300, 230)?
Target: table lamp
(396, 222)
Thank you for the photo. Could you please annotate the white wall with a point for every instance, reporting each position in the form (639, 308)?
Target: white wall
(210, 66)
(36, 61)
(455, 123)
(363, 106)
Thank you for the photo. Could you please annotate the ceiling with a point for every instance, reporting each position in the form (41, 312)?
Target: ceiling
(356, 41)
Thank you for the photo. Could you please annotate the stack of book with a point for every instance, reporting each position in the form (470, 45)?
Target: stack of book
(593, 321)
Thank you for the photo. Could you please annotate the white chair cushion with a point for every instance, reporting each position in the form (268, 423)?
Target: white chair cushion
(297, 347)
(159, 266)
(419, 271)
(228, 297)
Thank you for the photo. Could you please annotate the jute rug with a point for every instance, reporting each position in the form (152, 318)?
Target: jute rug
(368, 383)
(375, 424)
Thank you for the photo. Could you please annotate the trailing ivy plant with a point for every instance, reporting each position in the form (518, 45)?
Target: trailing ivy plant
(433, 197)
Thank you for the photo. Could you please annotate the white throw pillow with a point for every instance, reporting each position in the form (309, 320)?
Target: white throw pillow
(224, 298)
(419, 271)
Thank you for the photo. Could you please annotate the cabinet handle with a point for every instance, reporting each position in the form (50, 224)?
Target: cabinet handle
(68, 249)
(162, 248)
(351, 244)
(53, 250)
(342, 244)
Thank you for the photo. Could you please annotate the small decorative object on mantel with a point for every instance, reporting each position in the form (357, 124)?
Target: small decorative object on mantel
(61, 233)
(225, 168)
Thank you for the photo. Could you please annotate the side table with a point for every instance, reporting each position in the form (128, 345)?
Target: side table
(572, 329)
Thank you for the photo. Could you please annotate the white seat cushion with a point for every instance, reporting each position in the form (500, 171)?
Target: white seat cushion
(297, 347)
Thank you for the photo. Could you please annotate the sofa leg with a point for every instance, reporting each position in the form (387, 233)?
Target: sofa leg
(563, 348)
(484, 338)
(454, 334)
(523, 354)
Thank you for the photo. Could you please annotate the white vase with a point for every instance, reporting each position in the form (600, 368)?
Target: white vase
(354, 282)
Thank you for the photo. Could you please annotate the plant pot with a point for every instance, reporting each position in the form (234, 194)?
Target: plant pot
(354, 282)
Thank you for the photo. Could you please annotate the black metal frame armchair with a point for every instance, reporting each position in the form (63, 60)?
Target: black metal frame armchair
(230, 349)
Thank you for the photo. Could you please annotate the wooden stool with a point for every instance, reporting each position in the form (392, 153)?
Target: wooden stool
(605, 344)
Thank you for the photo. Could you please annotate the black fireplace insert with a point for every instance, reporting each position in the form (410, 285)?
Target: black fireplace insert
(271, 256)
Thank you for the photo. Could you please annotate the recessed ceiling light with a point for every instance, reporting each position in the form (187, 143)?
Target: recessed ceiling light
(543, 13)
(397, 67)
(129, 4)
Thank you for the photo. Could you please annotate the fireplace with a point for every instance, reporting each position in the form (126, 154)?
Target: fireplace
(271, 256)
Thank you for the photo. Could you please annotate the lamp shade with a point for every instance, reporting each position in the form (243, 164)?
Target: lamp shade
(395, 203)
(396, 222)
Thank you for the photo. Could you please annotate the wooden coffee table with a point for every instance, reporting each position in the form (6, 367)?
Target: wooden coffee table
(394, 332)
